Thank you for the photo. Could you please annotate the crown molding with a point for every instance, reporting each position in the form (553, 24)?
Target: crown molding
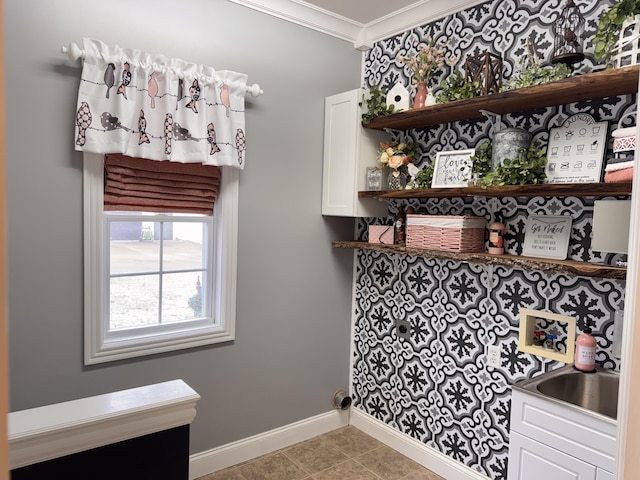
(307, 15)
(363, 36)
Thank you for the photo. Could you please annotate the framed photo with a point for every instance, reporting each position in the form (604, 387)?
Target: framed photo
(452, 168)
(547, 236)
(576, 150)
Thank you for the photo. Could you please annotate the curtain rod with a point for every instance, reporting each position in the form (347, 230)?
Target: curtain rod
(74, 52)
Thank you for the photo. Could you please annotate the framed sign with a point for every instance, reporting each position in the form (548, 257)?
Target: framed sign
(547, 236)
(452, 168)
(576, 150)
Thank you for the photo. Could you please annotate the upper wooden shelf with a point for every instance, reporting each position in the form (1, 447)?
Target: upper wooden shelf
(545, 190)
(580, 88)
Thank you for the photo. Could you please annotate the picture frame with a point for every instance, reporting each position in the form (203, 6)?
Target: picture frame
(452, 168)
(547, 236)
(576, 150)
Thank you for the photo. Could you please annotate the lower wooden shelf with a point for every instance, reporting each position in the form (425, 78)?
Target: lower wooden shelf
(571, 267)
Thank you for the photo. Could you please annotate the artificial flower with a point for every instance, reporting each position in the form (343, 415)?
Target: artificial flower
(429, 58)
(396, 154)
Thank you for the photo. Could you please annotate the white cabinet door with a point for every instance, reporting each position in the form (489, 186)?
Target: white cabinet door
(530, 460)
(348, 150)
(603, 475)
(586, 437)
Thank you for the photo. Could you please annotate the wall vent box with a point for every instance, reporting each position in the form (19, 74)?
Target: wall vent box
(611, 226)
(529, 324)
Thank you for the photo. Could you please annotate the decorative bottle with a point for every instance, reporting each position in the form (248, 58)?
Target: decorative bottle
(585, 356)
(398, 227)
(496, 238)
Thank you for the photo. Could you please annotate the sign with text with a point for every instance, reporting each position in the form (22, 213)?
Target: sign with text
(547, 236)
(576, 150)
(452, 168)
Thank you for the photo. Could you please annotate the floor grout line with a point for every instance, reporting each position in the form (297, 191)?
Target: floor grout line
(329, 443)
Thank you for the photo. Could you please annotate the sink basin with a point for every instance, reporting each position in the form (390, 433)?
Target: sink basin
(596, 392)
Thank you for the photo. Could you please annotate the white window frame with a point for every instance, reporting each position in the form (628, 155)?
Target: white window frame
(100, 348)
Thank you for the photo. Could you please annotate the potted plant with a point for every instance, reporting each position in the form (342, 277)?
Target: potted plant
(376, 104)
(423, 178)
(532, 73)
(430, 57)
(456, 87)
(610, 26)
(529, 169)
(396, 156)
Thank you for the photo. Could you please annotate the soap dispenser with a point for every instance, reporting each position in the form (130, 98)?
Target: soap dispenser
(585, 357)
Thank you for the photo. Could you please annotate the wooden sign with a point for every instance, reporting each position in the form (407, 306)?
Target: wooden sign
(575, 150)
(452, 168)
(547, 236)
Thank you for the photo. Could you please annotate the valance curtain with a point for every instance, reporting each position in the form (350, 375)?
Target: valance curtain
(157, 108)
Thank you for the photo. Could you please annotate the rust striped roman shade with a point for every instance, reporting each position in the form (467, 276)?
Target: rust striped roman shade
(137, 184)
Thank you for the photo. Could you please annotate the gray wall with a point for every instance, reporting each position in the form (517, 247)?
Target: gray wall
(294, 291)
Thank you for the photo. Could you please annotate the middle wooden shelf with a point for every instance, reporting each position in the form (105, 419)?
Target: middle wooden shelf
(544, 190)
(570, 267)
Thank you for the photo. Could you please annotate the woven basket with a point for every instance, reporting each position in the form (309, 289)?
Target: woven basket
(449, 233)
(624, 139)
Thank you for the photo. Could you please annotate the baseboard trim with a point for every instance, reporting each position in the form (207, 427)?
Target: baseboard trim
(417, 451)
(210, 461)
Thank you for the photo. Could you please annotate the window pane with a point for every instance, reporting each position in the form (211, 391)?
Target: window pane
(132, 248)
(183, 250)
(133, 301)
(182, 297)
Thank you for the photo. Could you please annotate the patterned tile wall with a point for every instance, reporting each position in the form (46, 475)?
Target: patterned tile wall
(436, 386)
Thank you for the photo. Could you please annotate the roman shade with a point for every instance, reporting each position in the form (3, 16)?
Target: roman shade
(153, 107)
(137, 184)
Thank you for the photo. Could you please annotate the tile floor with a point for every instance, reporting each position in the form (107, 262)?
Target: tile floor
(344, 454)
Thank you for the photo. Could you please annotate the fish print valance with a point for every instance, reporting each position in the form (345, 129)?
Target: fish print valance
(154, 107)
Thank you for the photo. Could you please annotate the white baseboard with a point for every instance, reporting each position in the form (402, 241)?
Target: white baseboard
(203, 463)
(417, 451)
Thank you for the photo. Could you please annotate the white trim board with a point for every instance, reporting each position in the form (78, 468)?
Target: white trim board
(53, 431)
(216, 459)
(363, 36)
(417, 451)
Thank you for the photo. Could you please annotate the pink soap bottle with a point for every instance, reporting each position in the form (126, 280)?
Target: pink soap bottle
(585, 357)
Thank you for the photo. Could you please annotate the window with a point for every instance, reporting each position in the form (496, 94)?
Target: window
(157, 282)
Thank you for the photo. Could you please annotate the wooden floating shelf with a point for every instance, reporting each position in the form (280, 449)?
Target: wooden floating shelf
(571, 267)
(581, 88)
(545, 190)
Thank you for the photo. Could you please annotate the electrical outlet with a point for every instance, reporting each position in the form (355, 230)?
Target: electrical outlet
(493, 356)
(403, 329)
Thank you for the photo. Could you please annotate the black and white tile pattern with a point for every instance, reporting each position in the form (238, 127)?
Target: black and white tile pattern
(436, 386)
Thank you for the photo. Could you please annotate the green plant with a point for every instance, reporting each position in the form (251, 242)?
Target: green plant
(456, 87)
(610, 25)
(534, 74)
(526, 170)
(376, 104)
(423, 178)
(481, 159)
